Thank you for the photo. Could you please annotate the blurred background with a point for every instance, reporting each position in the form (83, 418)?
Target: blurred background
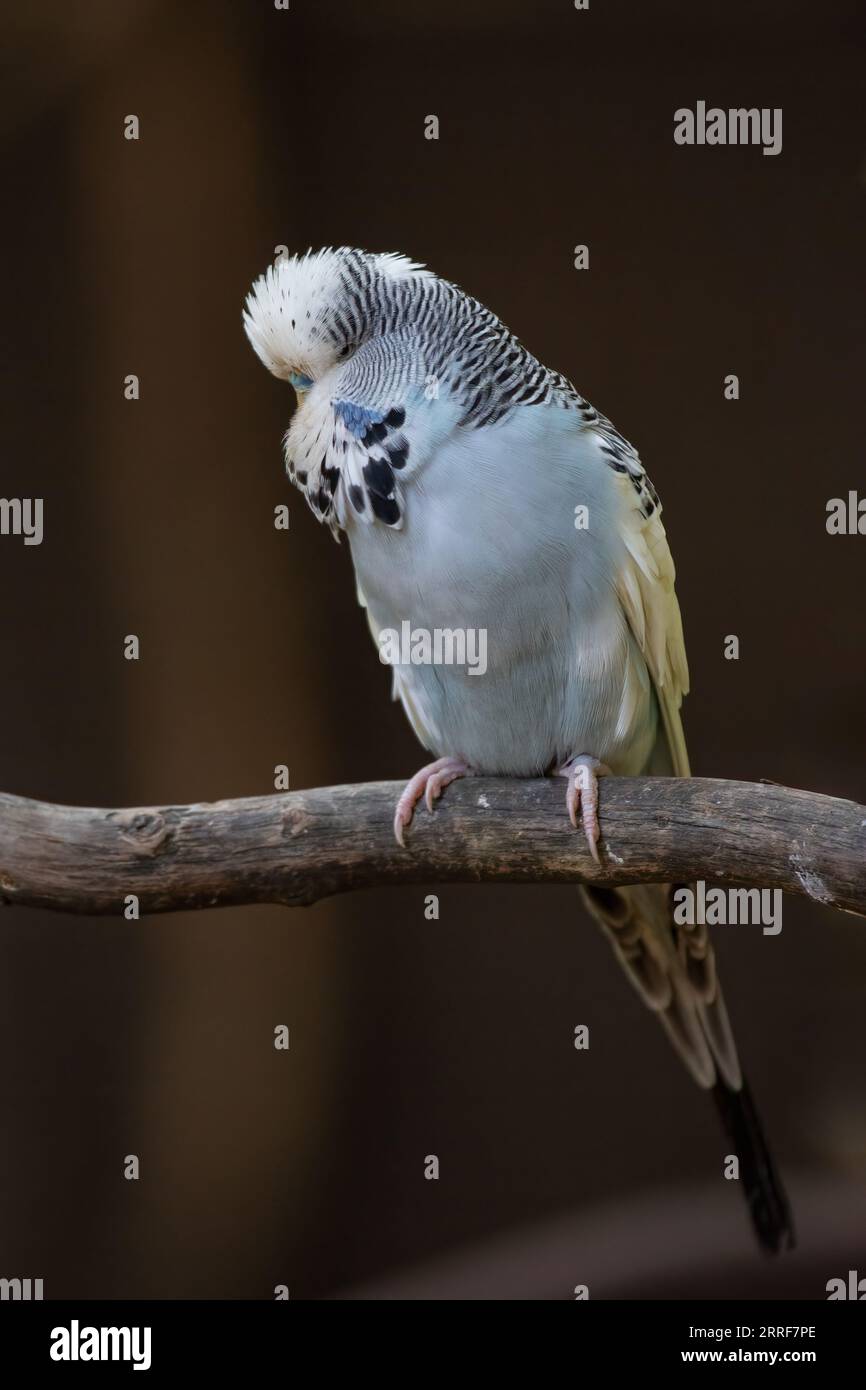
(408, 1037)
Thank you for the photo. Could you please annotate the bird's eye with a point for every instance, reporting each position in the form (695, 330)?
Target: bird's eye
(301, 382)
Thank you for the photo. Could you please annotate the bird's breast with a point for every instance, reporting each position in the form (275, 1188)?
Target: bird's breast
(497, 609)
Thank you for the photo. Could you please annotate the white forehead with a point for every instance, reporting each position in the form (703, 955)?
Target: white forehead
(286, 311)
(288, 307)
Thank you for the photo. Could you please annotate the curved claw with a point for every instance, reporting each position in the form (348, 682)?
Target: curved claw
(429, 782)
(439, 781)
(399, 826)
(582, 796)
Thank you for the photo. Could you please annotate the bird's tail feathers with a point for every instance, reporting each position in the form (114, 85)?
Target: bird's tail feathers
(674, 974)
(765, 1196)
(673, 970)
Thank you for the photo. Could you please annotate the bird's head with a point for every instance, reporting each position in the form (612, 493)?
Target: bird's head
(307, 317)
(308, 314)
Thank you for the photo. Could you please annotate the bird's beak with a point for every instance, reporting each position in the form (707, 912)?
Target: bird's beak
(301, 384)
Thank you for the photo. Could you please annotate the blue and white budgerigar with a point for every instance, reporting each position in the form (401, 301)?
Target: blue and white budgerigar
(456, 464)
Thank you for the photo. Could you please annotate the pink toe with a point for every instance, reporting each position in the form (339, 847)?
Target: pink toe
(429, 783)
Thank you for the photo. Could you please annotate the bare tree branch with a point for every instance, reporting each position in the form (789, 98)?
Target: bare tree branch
(298, 847)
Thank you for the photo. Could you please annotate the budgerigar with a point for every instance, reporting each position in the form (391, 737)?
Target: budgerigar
(479, 491)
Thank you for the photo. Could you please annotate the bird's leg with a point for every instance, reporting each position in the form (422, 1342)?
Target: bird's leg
(583, 773)
(429, 782)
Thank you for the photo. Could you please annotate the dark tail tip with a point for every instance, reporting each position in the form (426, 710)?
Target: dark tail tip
(766, 1197)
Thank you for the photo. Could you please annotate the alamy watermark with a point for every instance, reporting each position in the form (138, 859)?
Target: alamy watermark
(22, 516)
(77, 1343)
(846, 516)
(853, 1288)
(711, 907)
(736, 126)
(21, 1290)
(439, 646)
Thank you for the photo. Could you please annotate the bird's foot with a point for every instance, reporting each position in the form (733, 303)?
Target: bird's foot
(429, 782)
(583, 773)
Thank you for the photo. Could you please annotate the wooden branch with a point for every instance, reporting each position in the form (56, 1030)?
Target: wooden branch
(298, 847)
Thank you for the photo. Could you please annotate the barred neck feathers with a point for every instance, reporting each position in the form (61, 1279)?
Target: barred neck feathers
(467, 349)
(309, 314)
(356, 334)
(312, 313)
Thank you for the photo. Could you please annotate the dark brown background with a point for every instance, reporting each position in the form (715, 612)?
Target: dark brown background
(409, 1037)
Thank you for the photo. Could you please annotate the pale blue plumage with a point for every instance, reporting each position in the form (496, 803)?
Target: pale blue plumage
(489, 542)
(456, 464)
(479, 491)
